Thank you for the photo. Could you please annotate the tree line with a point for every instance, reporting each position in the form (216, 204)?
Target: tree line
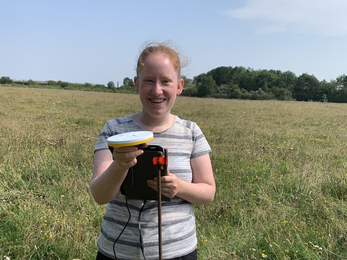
(127, 86)
(231, 82)
(246, 83)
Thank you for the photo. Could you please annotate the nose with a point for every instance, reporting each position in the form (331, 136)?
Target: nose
(157, 89)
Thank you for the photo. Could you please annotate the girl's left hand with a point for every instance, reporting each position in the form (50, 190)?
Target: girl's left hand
(170, 185)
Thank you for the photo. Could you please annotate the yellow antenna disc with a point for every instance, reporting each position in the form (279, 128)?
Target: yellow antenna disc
(130, 139)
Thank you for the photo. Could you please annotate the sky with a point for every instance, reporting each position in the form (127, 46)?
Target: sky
(81, 41)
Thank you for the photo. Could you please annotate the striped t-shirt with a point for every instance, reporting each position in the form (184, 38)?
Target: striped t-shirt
(184, 141)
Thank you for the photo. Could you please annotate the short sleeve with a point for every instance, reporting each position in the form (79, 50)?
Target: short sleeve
(201, 146)
(102, 139)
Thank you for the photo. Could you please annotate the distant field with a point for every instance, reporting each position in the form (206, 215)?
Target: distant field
(280, 169)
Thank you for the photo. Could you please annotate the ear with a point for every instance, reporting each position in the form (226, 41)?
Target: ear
(180, 87)
(136, 85)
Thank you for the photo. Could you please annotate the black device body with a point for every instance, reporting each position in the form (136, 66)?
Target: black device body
(135, 185)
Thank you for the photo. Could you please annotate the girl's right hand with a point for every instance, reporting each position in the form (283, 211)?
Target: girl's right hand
(126, 156)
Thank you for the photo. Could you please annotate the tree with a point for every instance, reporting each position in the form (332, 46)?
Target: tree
(330, 90)
(128, 82)
(111, 86)
(342, 81)
(51, 83)
(247, 80)
(235, 92)
(287, 78)
(5, 80)
(205, 85)
(342, 95)
(341, 89)
(189, 89)
(265, 79)
(283, 94)
(88, 85)
(187, 80)
(62, 84)
(30, 82)
(307, 87)
(221, 75)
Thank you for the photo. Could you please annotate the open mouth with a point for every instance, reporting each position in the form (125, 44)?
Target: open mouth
(157, 100)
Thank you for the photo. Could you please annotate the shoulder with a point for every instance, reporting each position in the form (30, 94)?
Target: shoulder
(190, 127)
(186, 124)
(191, 131)
(118, 126)
(113, 127)
(186, 129)
(120, 120)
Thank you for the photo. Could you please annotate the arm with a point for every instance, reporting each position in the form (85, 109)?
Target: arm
(200, 191)
(110, 171)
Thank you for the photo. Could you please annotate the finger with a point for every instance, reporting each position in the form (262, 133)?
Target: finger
(167, 193)
(132, 162)
(125, 155)
(152, 184)
(167, 179)
(143, 145)
(125, 149)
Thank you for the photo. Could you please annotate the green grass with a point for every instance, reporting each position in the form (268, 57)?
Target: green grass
(280, 169)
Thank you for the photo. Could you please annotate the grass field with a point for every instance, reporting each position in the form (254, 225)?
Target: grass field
(280, 169)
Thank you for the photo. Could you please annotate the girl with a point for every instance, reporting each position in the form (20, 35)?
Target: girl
(189, 181)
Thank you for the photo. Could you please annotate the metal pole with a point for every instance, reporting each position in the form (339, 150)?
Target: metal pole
(160, 167)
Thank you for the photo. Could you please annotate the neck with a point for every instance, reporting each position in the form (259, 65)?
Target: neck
(153, 124)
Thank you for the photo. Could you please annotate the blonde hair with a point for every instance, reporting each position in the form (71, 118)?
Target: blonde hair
(166, 47)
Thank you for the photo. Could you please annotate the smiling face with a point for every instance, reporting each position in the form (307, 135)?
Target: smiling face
(158, 84)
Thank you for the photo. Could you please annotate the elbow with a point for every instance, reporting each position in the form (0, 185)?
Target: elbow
(209, 199)
(206, 201)
(213, 192)
(212, 198)
(99, 200)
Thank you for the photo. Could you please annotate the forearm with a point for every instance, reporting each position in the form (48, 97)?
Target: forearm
(203, 187)
(106, 186)
(109, 171)
(196, 193)
(200, 191)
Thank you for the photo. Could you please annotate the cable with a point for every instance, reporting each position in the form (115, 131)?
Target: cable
(126, 203)
(141, 241)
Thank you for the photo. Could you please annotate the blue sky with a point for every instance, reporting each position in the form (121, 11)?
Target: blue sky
(99, 41)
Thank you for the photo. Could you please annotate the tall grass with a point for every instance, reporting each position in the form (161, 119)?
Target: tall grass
(280, 169)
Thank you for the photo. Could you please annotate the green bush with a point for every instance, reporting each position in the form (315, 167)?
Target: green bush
(5, 80)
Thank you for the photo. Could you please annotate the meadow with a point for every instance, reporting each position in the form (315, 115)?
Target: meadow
(280, 169)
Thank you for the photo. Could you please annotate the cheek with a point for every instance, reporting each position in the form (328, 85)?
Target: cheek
(143, 90)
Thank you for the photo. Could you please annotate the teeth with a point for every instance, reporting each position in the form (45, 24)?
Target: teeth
(157, 100)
